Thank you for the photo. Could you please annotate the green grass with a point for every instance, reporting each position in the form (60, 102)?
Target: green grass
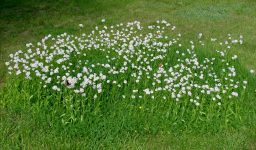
(23, 126)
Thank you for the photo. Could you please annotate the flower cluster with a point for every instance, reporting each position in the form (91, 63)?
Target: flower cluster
(149, 63)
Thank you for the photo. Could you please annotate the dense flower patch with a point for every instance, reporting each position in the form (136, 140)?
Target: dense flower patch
(150, 62)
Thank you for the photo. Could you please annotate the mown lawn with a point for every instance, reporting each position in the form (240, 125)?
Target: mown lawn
(25, 21)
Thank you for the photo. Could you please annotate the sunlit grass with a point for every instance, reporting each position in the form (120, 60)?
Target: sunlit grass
(33, 118)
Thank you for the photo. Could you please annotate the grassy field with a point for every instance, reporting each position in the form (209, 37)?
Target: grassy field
(25, 21)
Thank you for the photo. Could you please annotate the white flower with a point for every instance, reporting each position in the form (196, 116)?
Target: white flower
(134, 91)
(235, 94)
(147, 91)
(200, 35)
(18, 72)
(218, 96)
(79, 75)
(234, 57)
(55, 88)
(81, 25)
(48, 80)
(70, 82)
(234, 41)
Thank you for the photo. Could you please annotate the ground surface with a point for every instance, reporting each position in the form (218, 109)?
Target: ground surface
(25, 21)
